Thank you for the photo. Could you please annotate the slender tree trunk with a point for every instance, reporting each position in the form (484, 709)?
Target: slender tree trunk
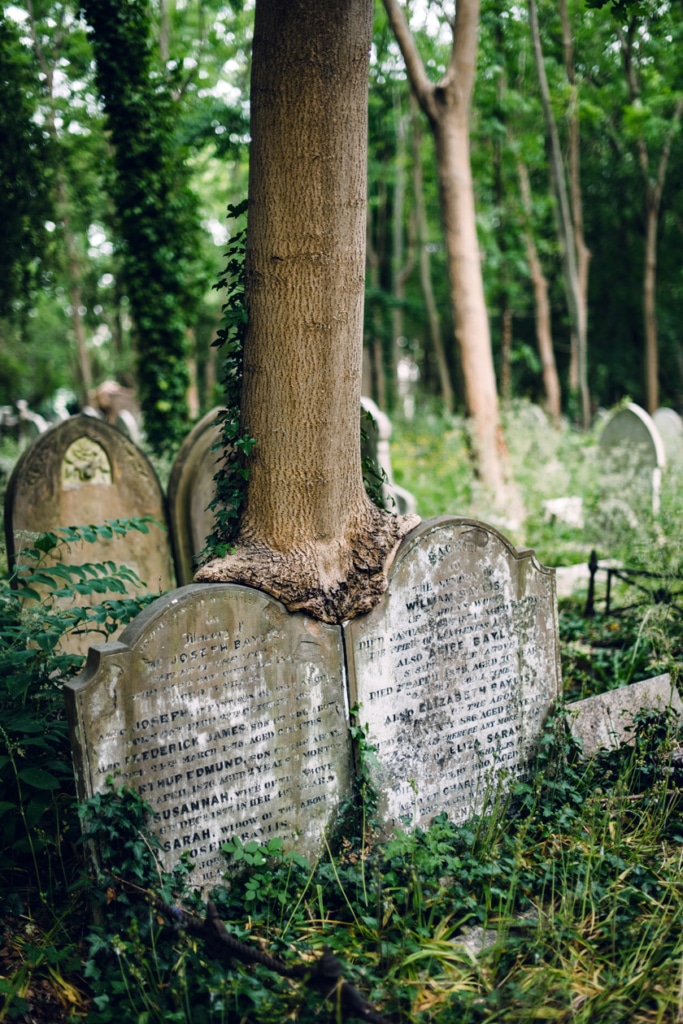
(583, 255)
(402, 263)
(447, 107)
(649, 307)
(376, 356)
(653, 187)
(309, 534)
(425, 265)
(75, 300)
(565, 226)
(544, 338)
(506, 352)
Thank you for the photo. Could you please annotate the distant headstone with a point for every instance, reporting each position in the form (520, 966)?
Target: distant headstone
(227, 713)
(670, 427)
(191, 488)
(455, 669)
(376, 445)
(633, 458)
(605, 721)
(82, 472)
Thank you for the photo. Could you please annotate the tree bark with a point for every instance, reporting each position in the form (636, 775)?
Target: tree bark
(565, 226)
(447, 107)
(653, 188)
(544, 337)
(425, 265)
(309, 534)
(583, 254)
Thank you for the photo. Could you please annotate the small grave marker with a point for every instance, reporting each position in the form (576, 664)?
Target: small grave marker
(633, 459)
(191, 488)
(227, 713)
(455, 669)
(670, 427)
(605, 721)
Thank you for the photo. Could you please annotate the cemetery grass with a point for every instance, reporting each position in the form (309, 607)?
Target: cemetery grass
(563, 903)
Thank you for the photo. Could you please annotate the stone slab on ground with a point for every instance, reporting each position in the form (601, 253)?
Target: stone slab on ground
(227, 714)
(455, 669)
(605, 721)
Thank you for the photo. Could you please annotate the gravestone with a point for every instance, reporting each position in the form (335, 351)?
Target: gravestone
(670, 427)
(455, 669)
(376, 446)
(191, 487)
(83, 471)
(632, 457)
(605, 721)
(227, 713)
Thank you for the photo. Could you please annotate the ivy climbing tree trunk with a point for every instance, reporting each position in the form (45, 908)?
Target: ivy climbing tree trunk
(157, 211)
(309, 535)
(447, 107)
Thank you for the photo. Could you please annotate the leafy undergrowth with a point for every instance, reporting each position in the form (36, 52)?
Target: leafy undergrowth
(572, 887)
(564, 903)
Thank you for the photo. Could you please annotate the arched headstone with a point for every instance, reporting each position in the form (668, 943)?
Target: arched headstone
(228, 715)
(81, 472)
(670, 427)
(633, 457)
(191, 488)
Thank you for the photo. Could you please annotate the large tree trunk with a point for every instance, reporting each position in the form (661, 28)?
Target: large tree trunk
(447, 106)
(309, 534)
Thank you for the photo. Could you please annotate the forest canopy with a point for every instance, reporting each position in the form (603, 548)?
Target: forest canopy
(72, 307)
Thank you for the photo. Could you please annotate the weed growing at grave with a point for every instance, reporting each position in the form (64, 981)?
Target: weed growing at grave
(37, 803)
(563, 903)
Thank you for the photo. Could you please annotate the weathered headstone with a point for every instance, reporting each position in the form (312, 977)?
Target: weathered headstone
(455, 669)
(605, 721)
(376, 446)
(632, 459)
(82, 472)
(227, 713)
(670, 427)
(191, 487)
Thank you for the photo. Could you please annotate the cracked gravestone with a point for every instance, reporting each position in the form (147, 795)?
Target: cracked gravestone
(454, 670)
(227, 714)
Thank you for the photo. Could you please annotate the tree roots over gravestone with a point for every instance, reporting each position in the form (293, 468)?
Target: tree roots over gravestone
(323, 974)
(332, 581)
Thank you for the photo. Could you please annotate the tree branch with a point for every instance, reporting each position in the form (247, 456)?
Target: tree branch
(422, 87)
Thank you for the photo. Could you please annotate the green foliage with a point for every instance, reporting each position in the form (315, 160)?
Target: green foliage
(235, 444)
(25, 172)
(36, 615)
(157, 211)
(548, 903)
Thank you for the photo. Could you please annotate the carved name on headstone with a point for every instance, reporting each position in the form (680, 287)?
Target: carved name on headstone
(226, 713)
(455, 669)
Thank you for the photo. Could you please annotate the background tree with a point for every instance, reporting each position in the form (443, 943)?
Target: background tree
(447, 107)
(156, 210)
